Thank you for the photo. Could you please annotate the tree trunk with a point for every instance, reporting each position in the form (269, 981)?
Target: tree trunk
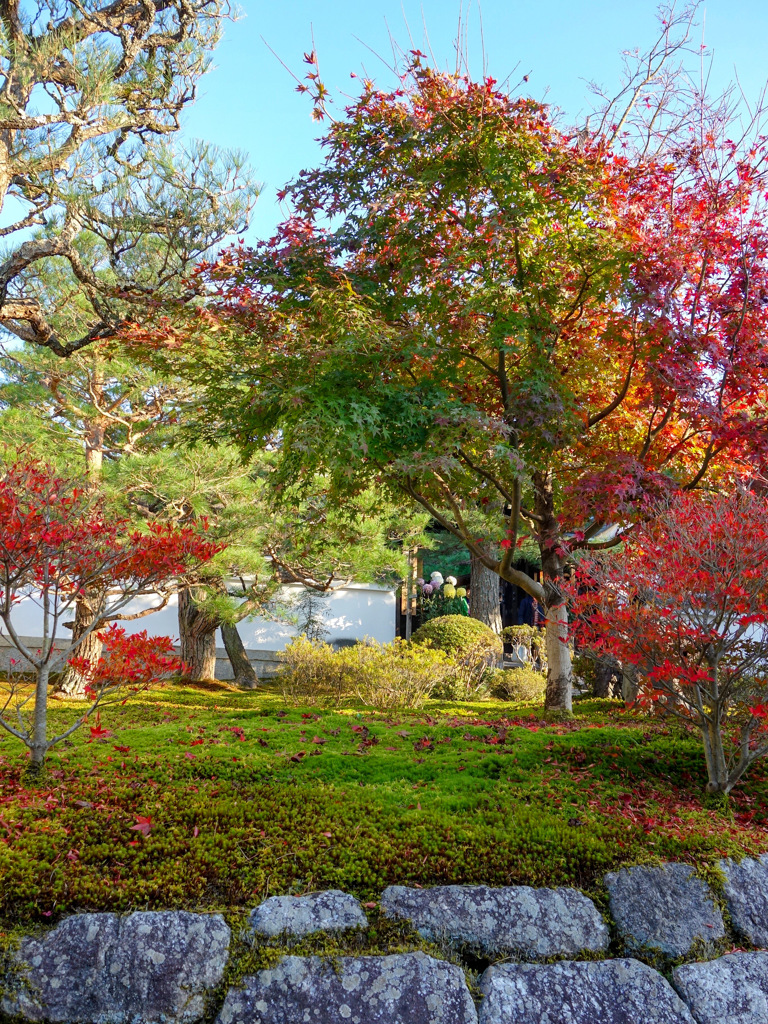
(244, 675)
(484, 601)
(608, 678)
(39, 747)
(94, 450)
(559, 696)
(410, 590)
(73, 681)
(559, 674)
(95, 428)
(603, 675)
(717, 768)
(197, 631)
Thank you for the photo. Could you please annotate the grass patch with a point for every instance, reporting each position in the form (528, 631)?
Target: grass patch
(213, 798)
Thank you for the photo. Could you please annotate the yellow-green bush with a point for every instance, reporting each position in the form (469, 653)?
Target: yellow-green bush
(518, 684)
(475, 650)
(456, 633)
(402, 675)
(384, 676)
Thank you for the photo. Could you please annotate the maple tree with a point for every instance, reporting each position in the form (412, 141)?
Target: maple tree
(686, 603)
(56, 543)
(95, 407)
(528, 329)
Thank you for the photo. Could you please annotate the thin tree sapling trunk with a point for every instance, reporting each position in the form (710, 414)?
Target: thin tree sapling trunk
(39, 746)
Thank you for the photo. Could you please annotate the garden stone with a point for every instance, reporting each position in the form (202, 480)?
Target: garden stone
(597, 992)
(665, 908)
(331, 911)
(733, 989)
(406, 988)
(534, 923)
(746, 894)
(152, 968)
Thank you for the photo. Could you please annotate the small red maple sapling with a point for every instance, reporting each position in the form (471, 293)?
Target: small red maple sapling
(686, 603)
(56, 543)
(129, 662)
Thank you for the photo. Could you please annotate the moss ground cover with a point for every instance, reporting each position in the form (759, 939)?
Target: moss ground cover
(201, 798)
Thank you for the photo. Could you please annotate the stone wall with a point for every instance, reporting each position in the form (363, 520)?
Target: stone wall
(658, 953)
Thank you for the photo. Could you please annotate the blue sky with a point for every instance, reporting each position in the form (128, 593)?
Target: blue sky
(249, 101)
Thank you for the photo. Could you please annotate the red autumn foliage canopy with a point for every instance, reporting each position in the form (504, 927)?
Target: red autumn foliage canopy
(57, 543)
(58, 539)
(686, 605)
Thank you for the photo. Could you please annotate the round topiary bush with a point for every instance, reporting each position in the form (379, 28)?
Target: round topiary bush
(456, 634)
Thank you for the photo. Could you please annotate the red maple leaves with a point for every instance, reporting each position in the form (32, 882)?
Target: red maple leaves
(129, 660)
(685, 607)
(58, 544)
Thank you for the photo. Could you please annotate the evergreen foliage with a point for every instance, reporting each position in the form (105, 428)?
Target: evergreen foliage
(109, 211)
(456, 634)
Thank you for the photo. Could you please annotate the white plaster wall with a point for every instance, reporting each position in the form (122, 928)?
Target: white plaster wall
(164, 622)
(352, 612)
(27, 619)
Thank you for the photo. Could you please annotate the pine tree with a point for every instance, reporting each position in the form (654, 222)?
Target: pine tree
(104, 212)
(124, 423)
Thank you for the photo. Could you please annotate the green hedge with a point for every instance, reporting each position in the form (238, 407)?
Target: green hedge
(455, 634)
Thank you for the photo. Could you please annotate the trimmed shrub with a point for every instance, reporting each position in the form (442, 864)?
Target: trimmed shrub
(519, 634)
(311, 674)
(401, 675)
(384, 676)
(456, 633)
(524, 685)
(475, 650)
